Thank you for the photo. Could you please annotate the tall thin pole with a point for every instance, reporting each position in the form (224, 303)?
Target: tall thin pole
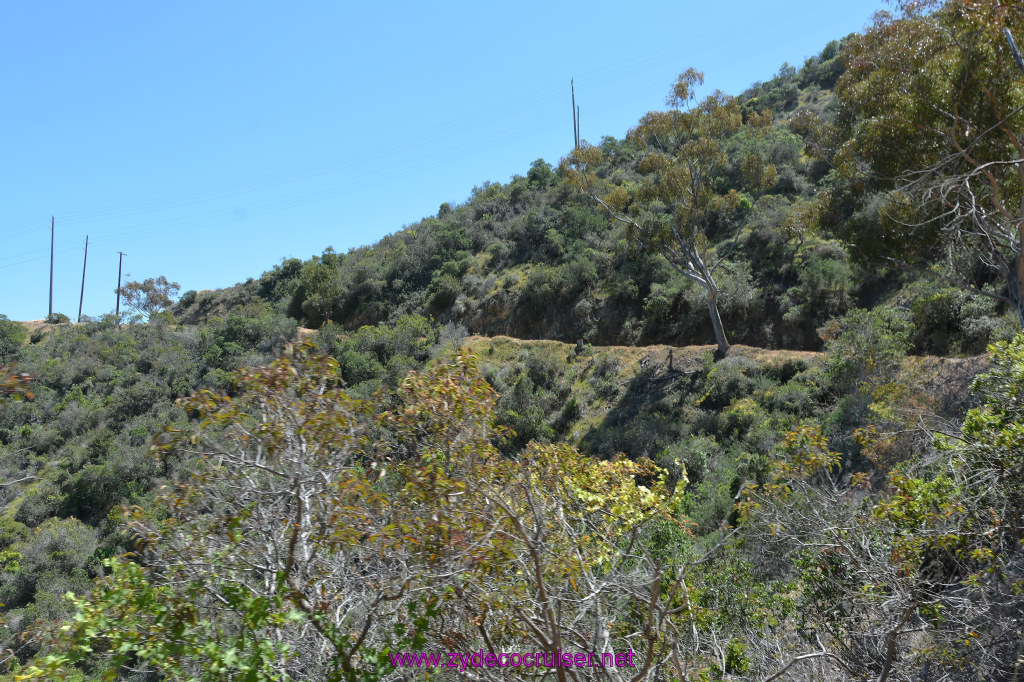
(575, 117)
(81, 296)
(117, 310)
(49, 316)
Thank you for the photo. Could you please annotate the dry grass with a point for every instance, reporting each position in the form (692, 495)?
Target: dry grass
(684, 358)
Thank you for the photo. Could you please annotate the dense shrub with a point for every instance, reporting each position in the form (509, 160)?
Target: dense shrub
(951, 320)
(864, 348)
(12, 336)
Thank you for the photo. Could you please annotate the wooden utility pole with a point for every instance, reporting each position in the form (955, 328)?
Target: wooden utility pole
(117, 310)
(81, 296)
(575, 117)
(49, 315)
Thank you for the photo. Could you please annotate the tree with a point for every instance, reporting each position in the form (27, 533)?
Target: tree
(932, 138)
(925, 578)
(322, 284)
(12, 336)
(150, 296)
(319, 534)
(675, 206)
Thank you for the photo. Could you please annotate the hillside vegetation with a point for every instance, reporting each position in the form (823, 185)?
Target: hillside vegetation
(513, 426)
(535, 259)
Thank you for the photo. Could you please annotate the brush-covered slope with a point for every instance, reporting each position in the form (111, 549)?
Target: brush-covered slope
(532, 258)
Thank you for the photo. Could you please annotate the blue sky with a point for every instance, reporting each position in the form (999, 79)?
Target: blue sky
(210, 140)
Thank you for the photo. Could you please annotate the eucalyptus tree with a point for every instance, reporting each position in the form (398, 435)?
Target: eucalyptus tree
(931, 133)
(676, 204)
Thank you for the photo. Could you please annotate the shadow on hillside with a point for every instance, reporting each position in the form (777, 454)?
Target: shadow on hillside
(646, 417)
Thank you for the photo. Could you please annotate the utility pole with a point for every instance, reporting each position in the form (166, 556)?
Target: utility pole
(82, 295)
(117, 310)
(575, 117)
(49, 315)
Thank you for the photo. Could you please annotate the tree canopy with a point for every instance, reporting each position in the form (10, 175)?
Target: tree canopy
(676, 204)
(150, 296)
(931, 141)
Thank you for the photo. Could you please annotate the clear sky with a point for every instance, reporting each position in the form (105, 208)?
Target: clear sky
(210, 140)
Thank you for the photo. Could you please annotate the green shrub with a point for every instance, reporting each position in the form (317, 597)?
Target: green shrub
(605, 375)
(795, 399)
(12, 336)
(540, 174)
(11, 531)
(824, 291)
(864, 349)
(546, 289)
(741, 415)
(38, 504)
(569, 413)
(522, 408)
(443, 292)
(952, 320)
(186, 300)
(692, 455)
(727, 381)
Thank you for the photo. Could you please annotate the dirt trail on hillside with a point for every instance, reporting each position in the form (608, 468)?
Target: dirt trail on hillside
(945, 380)
(690, 358)
(684, 358)
(954, 373)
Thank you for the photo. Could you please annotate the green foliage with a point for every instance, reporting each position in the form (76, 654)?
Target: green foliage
(321, 287)
(677, 209)
(992, 448)
(12, 337)
(522, 409)
(825, 69)
(228, 590)
(540, 174)
(933, 112)
(951, 320)
(149, 297)
(130, 621)
(443, 292)
(373, 355)
(864, 349)
(929, 554)
(533, 259)
(427, 512)
(75, 445)
(187, 299)
(781, 93)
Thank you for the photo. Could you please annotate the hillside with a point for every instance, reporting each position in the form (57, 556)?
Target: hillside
(532, 258)
(509, 427)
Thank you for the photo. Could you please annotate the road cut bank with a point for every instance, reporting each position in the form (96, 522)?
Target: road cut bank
(529, 659)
